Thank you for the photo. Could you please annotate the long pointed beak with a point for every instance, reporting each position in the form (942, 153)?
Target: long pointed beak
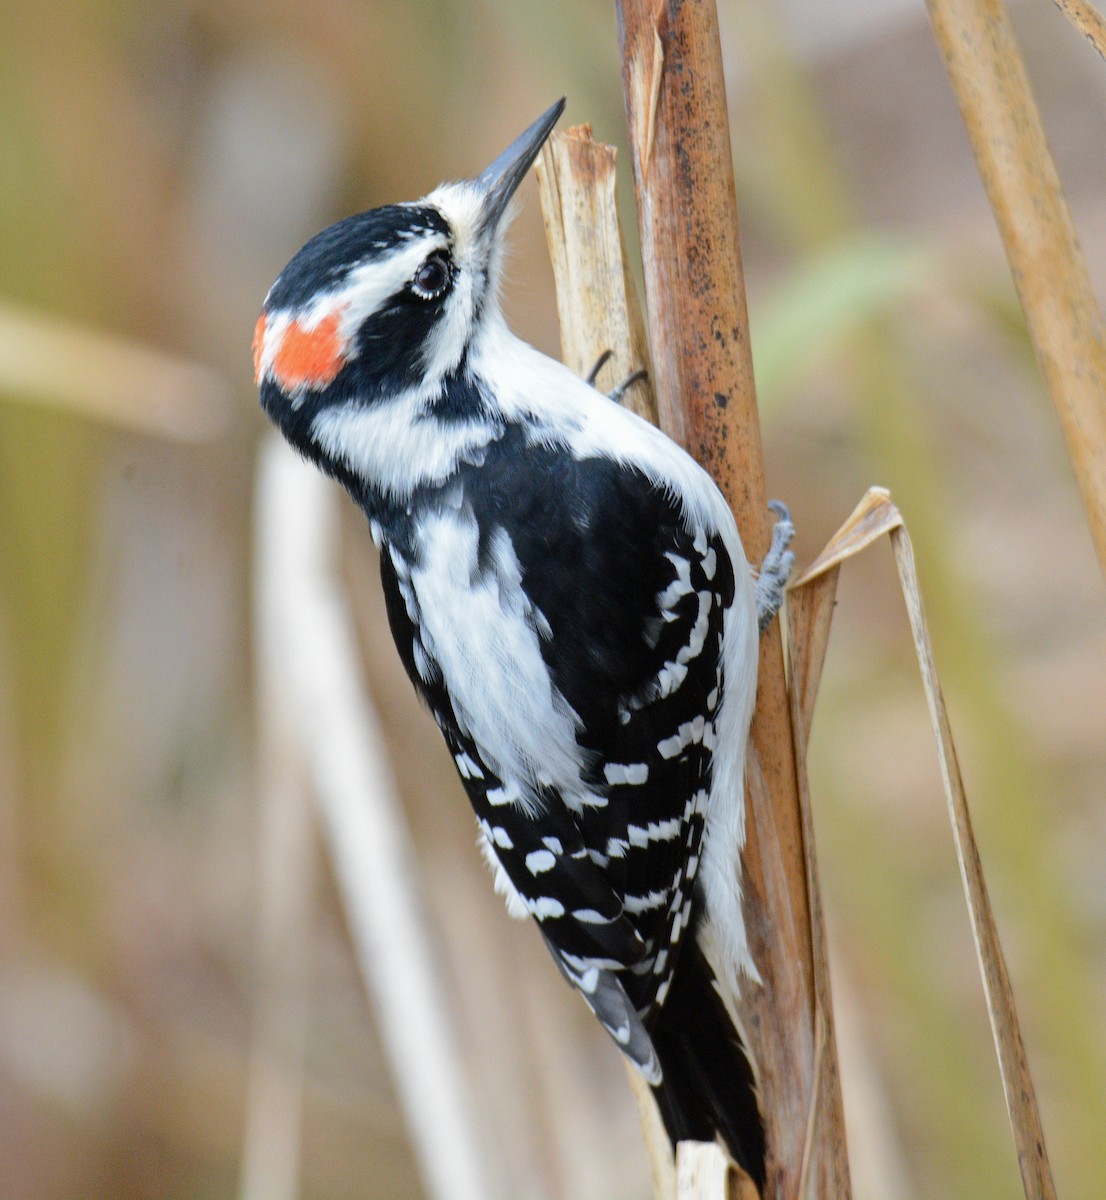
(502, 178)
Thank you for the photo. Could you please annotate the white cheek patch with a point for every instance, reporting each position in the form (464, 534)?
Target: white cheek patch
(395, 444)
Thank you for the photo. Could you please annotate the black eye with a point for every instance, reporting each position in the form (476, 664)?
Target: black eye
(432, 278)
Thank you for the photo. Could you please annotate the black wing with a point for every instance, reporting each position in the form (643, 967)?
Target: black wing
(632, 599)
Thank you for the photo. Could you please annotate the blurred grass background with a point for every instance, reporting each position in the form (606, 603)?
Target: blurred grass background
(158, 165)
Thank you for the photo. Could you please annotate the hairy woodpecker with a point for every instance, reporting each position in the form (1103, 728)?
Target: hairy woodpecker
(569, 595)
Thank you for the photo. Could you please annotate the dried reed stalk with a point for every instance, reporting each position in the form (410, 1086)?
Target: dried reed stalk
(599, 313)
(810, 602)
(1021, 1100)
(988, 76)
(1088, 20)
(287, 868)
(703, 1172)
(314, 650)
(679, 137)
(597, 306)
(61, 364)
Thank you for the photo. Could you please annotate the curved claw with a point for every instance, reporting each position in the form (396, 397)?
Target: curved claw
(781, 510)
(776, 568)
(634, 377)
(617, 394)
(600, 363)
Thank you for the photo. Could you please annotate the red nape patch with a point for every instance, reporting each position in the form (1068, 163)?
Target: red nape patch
(258, 346)
(309, 357)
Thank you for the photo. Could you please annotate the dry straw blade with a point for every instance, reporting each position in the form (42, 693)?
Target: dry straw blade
(599, 314)
(808, 598)
(1088, 20)
(576, 177)
(95, 375)
(1021, 1100)
(996, 101)
(703, 1172)
(287, 867)
(698, 328)
(311, 646)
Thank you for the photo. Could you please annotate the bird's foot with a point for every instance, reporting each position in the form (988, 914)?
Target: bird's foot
(618, 393)
(775, 570)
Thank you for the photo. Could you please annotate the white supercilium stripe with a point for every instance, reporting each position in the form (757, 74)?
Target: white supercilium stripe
(369, 286)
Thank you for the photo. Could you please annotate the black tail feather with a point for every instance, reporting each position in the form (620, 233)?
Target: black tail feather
(708, 1086)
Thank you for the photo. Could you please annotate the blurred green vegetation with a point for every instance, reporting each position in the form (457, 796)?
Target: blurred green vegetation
(158, 164)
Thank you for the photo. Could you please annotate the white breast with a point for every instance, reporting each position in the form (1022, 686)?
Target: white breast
(483, 632)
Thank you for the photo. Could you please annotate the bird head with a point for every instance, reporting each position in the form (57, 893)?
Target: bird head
(385, 305)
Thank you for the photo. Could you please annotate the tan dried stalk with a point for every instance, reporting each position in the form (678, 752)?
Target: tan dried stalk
(599, 313)
(313, 661)
(1021, 1101)
(988, 77)
(697, 321)
(597, 307)
(679, 138)
(47, 361)
(1088, 20)
(287, 868)
(703, 1172)
(810, 606)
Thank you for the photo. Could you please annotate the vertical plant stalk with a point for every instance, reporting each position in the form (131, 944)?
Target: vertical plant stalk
(817, 217)
(597, 308)
(810, 612)
(687, 209)
(1088, 20)
(1021, 1099)
(362, 821)
(287, 868)
(703, 1172)
(988, 77)
(599, 314)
